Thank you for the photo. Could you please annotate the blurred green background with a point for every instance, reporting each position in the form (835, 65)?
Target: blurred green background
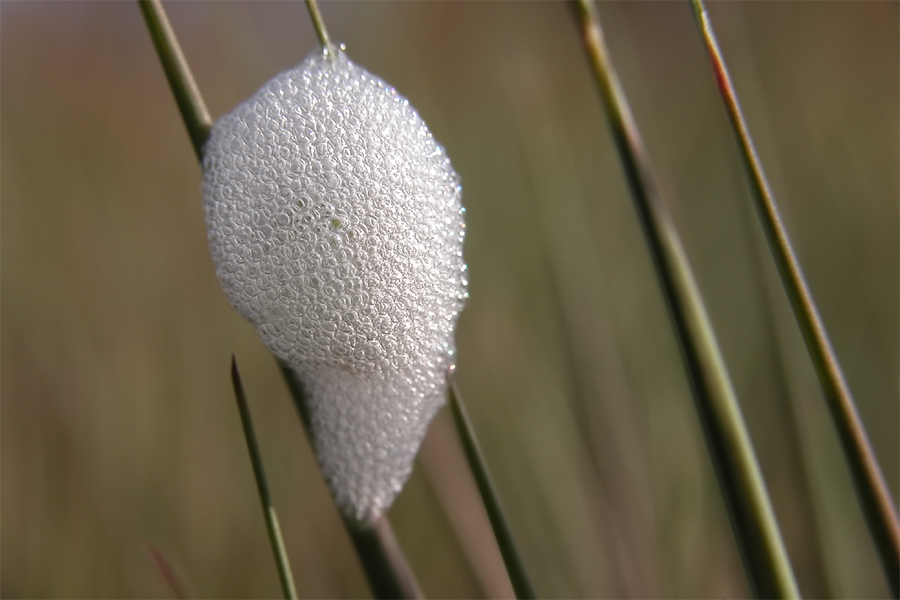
(119, 428)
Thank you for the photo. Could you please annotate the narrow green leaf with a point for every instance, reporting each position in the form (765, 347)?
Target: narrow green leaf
(168, 573)
(193, 110)
(756, 531)
(518, 575)
(319, 25)
(871, 488)
(259, 473)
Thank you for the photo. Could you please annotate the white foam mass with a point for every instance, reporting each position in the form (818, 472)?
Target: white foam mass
(336, 229)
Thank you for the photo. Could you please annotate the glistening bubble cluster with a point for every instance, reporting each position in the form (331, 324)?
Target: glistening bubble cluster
(336, 229)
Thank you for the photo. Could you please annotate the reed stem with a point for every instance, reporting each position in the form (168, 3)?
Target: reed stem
(386, 568)
(319, 25)
(518, 575)
(187, 95)
(753, 521)
(274, 530)
(871, 487)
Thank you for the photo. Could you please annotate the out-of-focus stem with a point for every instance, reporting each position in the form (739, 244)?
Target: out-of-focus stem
(753, 521)
(319, 25)
(518, 575)
(871, 488)
(259, 473)
(187, 95)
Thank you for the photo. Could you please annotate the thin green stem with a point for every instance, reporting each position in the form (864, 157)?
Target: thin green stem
(259, 473)
(386, 567)
(319, 25)
(756, 531)
(871, 488)
(387, 570)
(518, 575)
(184, 88)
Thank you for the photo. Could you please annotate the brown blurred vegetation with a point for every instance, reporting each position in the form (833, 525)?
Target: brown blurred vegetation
(119, 429)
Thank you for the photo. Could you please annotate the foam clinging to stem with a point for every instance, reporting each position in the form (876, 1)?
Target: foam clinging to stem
(336, 229)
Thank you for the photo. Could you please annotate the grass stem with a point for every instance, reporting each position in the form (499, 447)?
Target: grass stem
(386, 568)
(871, 488)
(184, 88)
(281, 559)
(319, 25)
(518, 575)
(753, 521)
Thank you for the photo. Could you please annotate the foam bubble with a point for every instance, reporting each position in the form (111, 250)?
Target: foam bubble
(336, 229)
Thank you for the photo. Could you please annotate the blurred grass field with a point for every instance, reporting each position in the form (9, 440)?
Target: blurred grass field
(118, 427)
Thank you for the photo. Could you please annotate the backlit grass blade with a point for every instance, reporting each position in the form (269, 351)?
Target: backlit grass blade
(518, 575)
(184, 88)
(743, 488)
(259, 473)
(387, 569)
(871, 488)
